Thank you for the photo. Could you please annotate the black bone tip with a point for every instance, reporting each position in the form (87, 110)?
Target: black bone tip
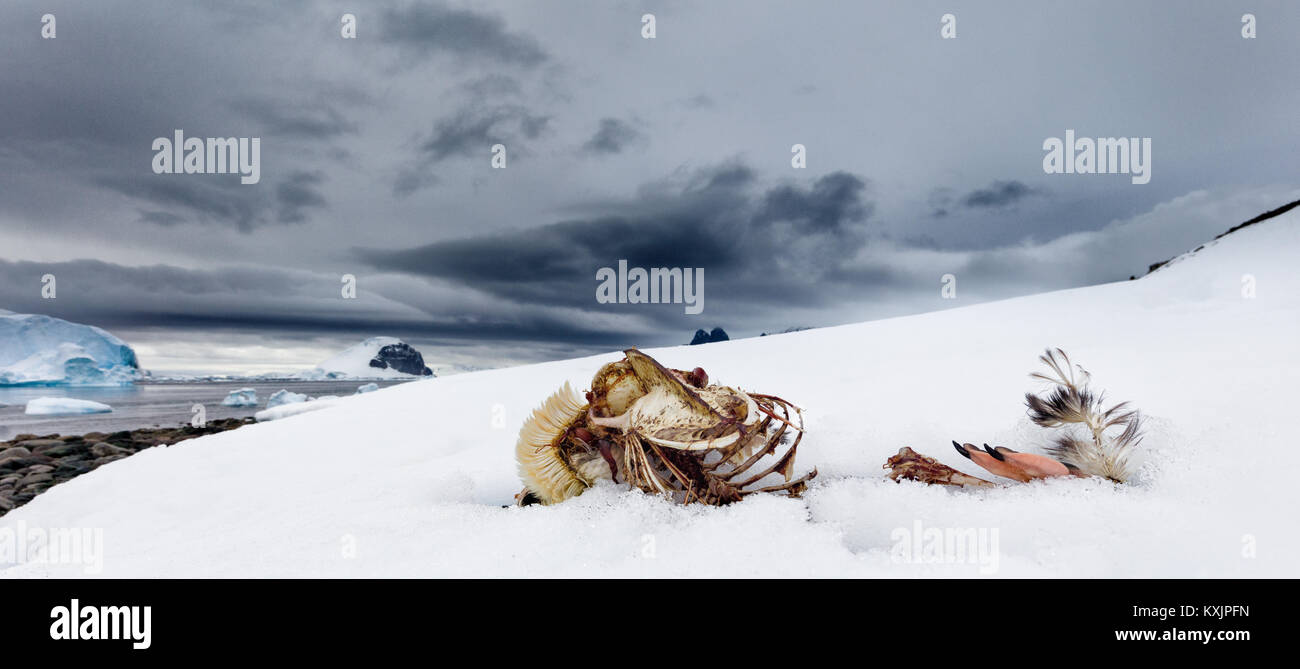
(993, 452)
(960, 449)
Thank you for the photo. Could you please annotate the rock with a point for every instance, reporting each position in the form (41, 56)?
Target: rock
(702, 337)
(104, 449)
(93, 437)
(14, 452)
(31, 479)
(40, 469)
(107, 459)
(70, 469)
(15, 464)
(401, 357)
(6, 504)
(64, 449)
(35, 445)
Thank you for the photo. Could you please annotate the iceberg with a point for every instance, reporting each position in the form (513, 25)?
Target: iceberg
(64, 406)
(368, 388)
(244, 397)
(37, 350)
(282, 397)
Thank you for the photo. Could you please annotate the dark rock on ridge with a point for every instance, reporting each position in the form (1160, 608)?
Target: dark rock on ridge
(702, 337)
(402, 358)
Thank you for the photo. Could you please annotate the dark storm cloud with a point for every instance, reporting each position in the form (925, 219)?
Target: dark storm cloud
(316, 121)
(713, 221)
(612, 136)
(474, 129)
(998, 194)
(835, 200)
(426, 89)
(728, 177)
(219, 199)
(428, 29)
(160, 218)
(492, 86)
(940, 202)
(296, 193)
(164, 296)
(471, 131)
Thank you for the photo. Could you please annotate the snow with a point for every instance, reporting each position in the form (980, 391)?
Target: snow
(368, 388)
(282, 397)
(286, 410)
(285, 403)
(411, 480)
(354, 363)
(64, 406)
(38, 350)
(244, 397)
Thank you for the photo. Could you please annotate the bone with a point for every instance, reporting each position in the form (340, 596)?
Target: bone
(910, 465)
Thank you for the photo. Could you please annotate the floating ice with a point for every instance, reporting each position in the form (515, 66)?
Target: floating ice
(244, 397)
(64, 406)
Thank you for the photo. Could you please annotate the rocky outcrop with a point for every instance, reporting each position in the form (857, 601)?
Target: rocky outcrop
(401, 358)
(702, 337)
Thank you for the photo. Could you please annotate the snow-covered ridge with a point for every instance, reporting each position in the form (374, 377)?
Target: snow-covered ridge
(415, 476)
(37, 350)
(1240, 226)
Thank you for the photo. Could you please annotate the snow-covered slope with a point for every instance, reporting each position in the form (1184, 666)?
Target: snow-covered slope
(354, 363)
(42, 350)
(410, 480)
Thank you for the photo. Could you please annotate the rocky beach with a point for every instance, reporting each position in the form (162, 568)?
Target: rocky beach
(31, 464)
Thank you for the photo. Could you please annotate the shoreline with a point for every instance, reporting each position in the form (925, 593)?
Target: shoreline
(31, 464)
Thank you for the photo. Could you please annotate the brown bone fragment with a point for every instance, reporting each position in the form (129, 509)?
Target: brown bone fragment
(908, 464)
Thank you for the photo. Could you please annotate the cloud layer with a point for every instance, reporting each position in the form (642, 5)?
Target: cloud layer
(672, 152)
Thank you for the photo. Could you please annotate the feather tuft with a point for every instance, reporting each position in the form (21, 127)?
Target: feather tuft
(542, 466)
(1071, 402)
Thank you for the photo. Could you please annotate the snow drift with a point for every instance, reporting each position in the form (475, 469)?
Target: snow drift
(38, 350)
(411, 480)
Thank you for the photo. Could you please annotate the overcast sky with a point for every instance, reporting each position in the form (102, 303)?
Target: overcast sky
(924, 158)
